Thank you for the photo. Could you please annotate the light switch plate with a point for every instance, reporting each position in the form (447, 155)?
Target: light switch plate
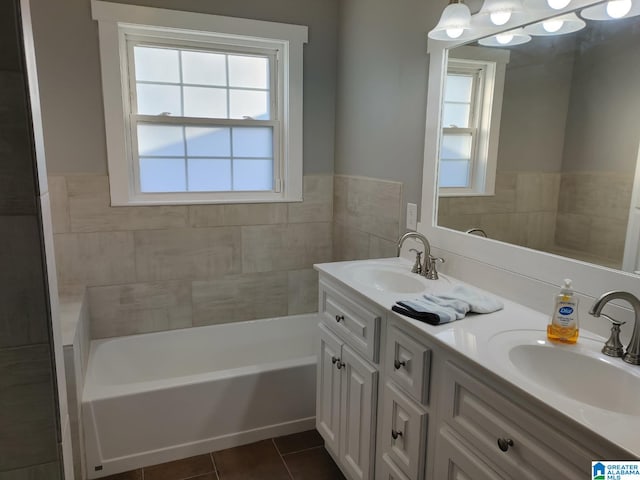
(412, 216)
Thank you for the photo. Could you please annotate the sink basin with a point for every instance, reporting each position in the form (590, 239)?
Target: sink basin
(386, 278)
(580, 372)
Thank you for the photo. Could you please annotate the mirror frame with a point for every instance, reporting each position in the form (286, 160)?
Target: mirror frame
(589, 279)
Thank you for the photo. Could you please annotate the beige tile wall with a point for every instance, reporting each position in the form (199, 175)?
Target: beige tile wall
(596, 205)
(159, 268)
(581, 214)
(366, 216)
(522, 211)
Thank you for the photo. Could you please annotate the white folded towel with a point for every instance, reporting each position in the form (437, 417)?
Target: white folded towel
(449, 306)
(478, 301)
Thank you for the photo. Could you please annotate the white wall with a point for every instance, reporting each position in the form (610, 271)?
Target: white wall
(382, 87)
(536, 101)
(603, 123)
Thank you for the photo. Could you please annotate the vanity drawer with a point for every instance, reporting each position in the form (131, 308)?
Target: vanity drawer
(407, 363)
(356, 323)
(389, 470)
(482, 416)
(404, 432)
(455, 461)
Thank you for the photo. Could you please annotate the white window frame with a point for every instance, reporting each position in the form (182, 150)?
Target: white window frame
(120, 24)
(489, 67)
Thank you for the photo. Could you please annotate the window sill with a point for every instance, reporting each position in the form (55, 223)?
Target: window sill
(158, 200)
(465, 194)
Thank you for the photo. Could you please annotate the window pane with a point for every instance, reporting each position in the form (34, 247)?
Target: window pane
(458, 88)
(455, 147)
(253, 175)
(248, 72)
(454, 173)
(208, 142)
(209, 175)
(205, 102)
(247, 103)
(204, 68)
(160, 140)
(162, 175)
(456, 115)
(252, 142)
(158, 99)
(156, 64)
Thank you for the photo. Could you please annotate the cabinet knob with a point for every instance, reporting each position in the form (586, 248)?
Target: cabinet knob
(395, 434)
(334, 360)
(397, 364)
(339, 318)
(504, 444)
(340, 364)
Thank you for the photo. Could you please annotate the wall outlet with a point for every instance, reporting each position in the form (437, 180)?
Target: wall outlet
(412, 216)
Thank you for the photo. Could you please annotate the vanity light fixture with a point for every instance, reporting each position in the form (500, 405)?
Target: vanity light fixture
(612, 10)
(560, 25)
(558, 4)
(618, 8)
(500, 11)
(455, 19)
(506, 39)
(542, 6)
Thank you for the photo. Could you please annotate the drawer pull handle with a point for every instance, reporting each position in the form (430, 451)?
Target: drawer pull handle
(339, 318)
(504, 444)
(337, 362)
(397, 364)
(395, 434)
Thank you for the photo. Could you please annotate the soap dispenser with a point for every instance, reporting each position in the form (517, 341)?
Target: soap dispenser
(563, 324)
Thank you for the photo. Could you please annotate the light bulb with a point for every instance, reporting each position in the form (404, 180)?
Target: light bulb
(504, 38)
(618, 8)
(558, 4)
(501, 17)
(552, 26)
(454, 32)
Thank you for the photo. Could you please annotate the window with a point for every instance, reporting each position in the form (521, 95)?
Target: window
(200, 108)
(471, 108)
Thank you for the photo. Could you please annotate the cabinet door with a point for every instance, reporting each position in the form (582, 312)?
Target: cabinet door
(328, 389)
(358, 420)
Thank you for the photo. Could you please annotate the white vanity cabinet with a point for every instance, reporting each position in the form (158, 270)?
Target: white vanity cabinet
(481, 429)
(347, 382)
(395, 402)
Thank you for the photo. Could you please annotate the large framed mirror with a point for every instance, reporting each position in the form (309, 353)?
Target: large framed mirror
(566, 145)
(535, 145)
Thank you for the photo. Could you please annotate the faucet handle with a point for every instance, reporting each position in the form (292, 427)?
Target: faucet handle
(431, 270)
(417, 266)
(613, 347)
(613, 321)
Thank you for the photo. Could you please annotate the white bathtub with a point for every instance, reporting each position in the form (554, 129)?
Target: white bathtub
(161, 396)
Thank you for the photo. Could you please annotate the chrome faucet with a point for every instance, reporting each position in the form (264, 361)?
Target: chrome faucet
(428, 267)
(477, 231)
(632, 354)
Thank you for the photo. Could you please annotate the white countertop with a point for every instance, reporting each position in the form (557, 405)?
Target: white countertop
(471, 337)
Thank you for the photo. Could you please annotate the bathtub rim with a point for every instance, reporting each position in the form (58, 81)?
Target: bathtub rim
(97, 393)
(93, 390)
